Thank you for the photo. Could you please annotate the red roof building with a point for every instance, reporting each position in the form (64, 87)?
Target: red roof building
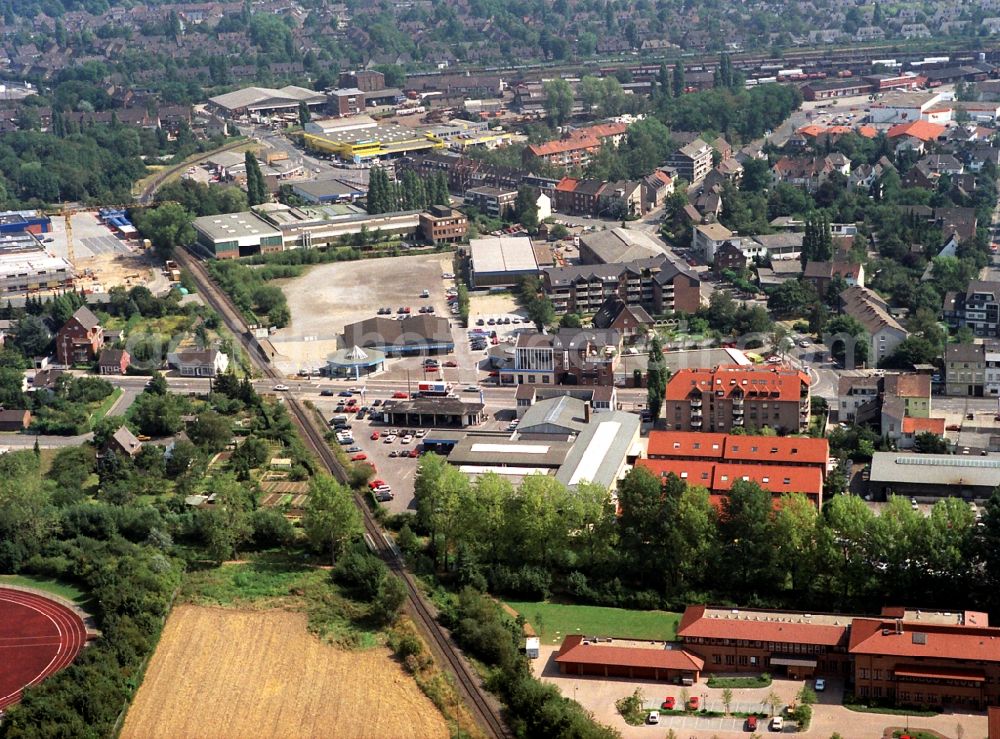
(628, 658)
(922, 130)
(905, 656)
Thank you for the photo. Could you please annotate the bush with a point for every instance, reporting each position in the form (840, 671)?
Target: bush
(631, 708)
(361, 572)
(270, 529)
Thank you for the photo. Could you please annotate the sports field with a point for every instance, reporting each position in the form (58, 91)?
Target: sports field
(553, 621)
(222, 673)
(38, 637)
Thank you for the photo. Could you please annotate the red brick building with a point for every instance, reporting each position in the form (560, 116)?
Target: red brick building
(80, 339)
(904, 656)
(113, 362)
(443, 225)
(796, 645)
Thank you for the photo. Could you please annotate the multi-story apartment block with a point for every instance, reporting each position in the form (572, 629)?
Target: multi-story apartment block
(732, 397)
(884, 331)
(977, 308)
(692, 161)
(569, 356)
(657, 284)
(496, 202)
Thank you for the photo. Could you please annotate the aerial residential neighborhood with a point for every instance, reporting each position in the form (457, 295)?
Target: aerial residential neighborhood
(556, 369)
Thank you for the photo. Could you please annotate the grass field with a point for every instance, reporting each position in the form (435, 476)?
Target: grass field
(224, 673)
(553, 621)
(56, 587)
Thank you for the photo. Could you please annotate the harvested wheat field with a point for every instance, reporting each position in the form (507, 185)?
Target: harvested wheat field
(222, 673)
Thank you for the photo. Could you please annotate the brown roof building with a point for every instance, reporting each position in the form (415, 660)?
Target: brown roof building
(80, 338)
(628, 658)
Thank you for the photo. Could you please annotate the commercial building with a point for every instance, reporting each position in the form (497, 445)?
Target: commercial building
(385, 141)
(305, 227)
(793, 645)
(905, 656)
(618, 245)
(329, 191)
(730, 396)
(568, 356)
(18, 221)
(692, 161)
(603, 452)
(354, 362)
(978, 308)
(432, 412)
(443, 225)
(611, 657)
(329, 126)
(478, 453)
(420, 334)
(780, 465)
(657, 284)
(262, 101)
(496, 202)
(346, 101)
(233, 235)
(871, 311)
(25, 267)
(934, 475)
(601, 398)
(900, 107)
(500, 261)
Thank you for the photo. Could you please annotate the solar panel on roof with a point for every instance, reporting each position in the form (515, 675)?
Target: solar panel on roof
(957, 462)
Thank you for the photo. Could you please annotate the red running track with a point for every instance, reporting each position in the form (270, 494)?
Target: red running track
(38, 637)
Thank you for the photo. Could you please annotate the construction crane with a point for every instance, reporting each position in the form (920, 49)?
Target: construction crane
(68, 218)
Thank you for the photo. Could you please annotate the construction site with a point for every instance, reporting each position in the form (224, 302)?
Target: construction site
(83, 250)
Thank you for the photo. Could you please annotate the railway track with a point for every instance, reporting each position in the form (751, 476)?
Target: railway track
(484, 709)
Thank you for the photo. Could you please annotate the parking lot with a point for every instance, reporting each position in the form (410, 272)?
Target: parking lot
(329, 296)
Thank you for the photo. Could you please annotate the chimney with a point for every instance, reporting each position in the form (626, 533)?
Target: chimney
(586, 412)
(899, 626)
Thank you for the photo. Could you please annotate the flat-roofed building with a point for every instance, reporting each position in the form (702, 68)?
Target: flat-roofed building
(233, 235)
(934, 476)
(603, 452)
(500, 261)
(329, 191)
(496, 202)
(442, 224)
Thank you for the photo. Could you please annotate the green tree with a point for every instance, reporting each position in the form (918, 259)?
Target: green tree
(558, 101)
(332, 519)
(32, 336)
(167, 226)
(304, 114)
(657, 375)
(257, 192)
(227, 523)
(678, 79)
(526, 208)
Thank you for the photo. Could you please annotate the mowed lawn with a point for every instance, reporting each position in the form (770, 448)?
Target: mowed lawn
(553, 621)
(56, 587)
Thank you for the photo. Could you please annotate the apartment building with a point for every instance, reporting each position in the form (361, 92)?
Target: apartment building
(346, 101)
(708, 238)
(657, 284)
(569, 356)
(978, 308)
(497, 202)
(716, 461)
(965, 370)
(692, 161)
(884, 331)
(730, 396)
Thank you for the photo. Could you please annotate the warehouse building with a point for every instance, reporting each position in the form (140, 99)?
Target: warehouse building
(388, 141)
(15, 221)
(334, 190)
(234, 235)
(263, 101)
(500, 261)
(28, 270)
(934, 475)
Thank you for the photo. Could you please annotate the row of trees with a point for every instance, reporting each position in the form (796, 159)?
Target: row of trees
(669, 545)
(410, 192)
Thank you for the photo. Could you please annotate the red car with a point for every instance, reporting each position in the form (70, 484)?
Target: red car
(693, 702)
(359, 457)
(414, 454)
(751, 723)
(451, 363)
(399, 394)
(374, 435)
(430, 368)
(668, 703)
(376, 483)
